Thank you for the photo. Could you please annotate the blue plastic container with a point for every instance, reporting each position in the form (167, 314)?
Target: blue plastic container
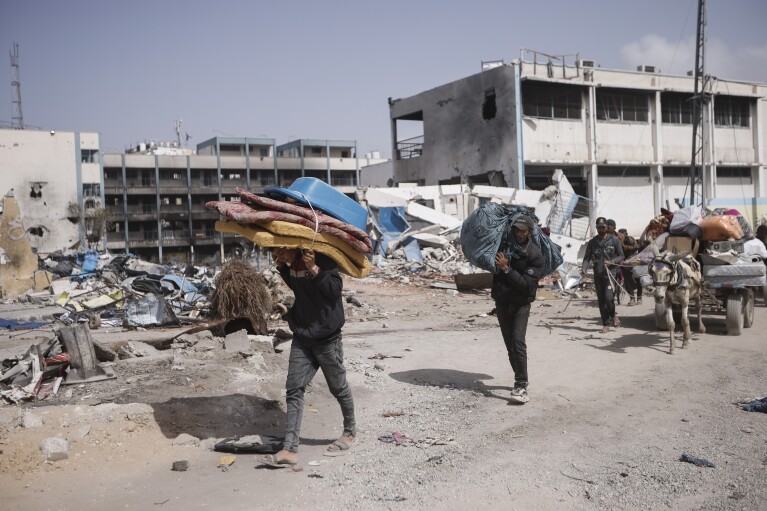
(322, 196)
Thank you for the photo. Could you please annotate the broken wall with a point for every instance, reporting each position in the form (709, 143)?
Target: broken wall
(18, 264)
(41, 167)
(462, 135)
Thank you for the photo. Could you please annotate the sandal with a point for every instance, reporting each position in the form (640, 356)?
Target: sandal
(342, 448)
(272, 462)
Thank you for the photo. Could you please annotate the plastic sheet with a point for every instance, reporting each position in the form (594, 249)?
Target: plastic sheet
(489, 225)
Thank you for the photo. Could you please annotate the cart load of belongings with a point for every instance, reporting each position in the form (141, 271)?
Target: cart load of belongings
(302, 224)
(722, 240)
(483, 232)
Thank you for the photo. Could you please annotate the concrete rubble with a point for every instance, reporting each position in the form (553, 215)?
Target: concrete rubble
(416, 231)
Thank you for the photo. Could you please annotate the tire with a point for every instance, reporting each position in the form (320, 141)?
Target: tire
(748, 309)
(734, 314)
(660, 316)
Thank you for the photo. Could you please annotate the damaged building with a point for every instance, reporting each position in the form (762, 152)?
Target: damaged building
(622, 138)
(56, 179)
(150, 199)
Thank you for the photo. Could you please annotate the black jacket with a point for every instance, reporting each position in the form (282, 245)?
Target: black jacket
(601, 250)
(318, 312)
(521, 283)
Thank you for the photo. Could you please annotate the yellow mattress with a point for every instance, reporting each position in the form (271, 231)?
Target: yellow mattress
(357, 267)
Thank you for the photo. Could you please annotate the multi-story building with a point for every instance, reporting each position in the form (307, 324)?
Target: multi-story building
(623, 138)
(156, 203)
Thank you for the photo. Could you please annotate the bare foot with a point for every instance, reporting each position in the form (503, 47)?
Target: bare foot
(286, 457)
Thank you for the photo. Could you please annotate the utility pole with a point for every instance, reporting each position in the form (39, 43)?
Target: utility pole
(17, 118)
(700, 105)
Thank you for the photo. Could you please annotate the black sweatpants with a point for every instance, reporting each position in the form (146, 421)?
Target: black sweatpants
(606, 298)
(512, 319)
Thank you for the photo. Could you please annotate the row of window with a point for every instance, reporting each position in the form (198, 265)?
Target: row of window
(576, 173)
(552, 101)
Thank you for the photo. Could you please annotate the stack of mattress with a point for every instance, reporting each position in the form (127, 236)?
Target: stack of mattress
(273, 223)
(742, 274)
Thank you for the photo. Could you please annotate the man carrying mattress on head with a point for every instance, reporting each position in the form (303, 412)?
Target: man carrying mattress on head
(316, 319)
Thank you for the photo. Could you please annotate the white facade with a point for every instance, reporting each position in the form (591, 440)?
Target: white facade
(47, 171)
(624, 138)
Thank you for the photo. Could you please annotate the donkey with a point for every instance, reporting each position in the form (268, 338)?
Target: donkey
(677, 279)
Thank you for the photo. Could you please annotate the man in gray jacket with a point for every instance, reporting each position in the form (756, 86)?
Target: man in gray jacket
(602, 251)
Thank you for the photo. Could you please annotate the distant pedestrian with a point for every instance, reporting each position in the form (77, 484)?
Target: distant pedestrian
(633, 285)
(603, 252)
(514, 289)
(316, 319)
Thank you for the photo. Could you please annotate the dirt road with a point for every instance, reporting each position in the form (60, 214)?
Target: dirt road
(609, 417)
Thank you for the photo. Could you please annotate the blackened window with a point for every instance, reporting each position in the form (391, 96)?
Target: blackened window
(739, 172)
(551, 101)
(623, 172)
(488, 106)
(676, 108)
(613, 105)
(732, 111)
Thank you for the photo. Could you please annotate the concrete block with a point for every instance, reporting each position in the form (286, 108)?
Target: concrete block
(31, 420)
(237, 342)
(140, 349)
(261, 343)
(59, 286)
(55, 448)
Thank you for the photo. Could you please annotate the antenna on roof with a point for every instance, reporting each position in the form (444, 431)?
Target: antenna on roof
(17, 118)
(177, 126)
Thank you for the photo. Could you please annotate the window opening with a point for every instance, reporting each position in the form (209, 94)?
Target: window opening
(622, 106)
(676, 108)
(732, 111)
(549, 101)
(488, 106)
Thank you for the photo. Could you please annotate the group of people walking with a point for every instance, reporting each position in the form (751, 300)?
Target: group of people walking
(604, 254)
(317, 316)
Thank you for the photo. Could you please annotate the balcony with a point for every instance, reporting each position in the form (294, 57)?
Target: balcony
(175, 238)
(206, 237)
(173, 209)
(173, 186)
(410, 148)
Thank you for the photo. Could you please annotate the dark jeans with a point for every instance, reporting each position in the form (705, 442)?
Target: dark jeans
(305, 359)
(606, 298)
(513, 321)
(631, 283)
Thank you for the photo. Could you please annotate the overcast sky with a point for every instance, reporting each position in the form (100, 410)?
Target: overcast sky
(308, 69)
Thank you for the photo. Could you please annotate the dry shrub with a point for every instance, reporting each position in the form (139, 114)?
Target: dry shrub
(242, 292)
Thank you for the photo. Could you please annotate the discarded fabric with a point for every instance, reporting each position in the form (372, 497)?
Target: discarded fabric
(699, 462)
(757, 405)
(15, 325)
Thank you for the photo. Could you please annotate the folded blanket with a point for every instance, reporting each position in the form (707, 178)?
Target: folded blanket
(245, 214)
(297, 209)
(264, 238)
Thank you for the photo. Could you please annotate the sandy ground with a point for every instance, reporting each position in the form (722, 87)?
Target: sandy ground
(608, 419)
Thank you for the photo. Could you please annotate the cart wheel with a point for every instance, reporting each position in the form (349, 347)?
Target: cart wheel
(748, 309)
(660, 316)
(734, 314)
